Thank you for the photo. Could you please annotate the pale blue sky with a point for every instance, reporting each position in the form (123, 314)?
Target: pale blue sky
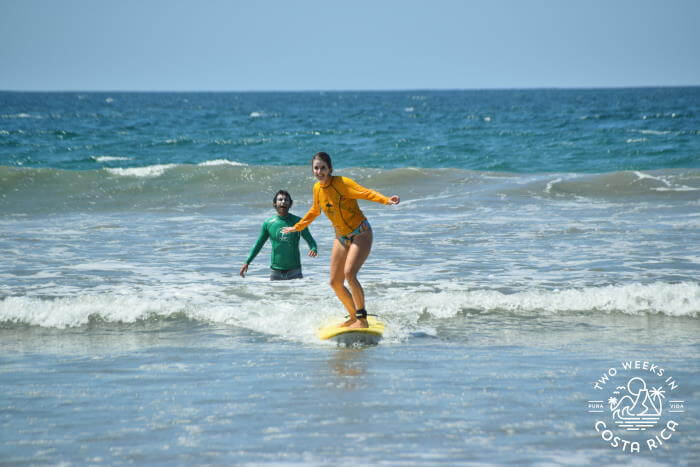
(356, 45)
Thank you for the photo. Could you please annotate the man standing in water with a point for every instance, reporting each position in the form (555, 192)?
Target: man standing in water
(285, 262)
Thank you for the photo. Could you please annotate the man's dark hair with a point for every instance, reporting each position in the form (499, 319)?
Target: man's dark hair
(285, 193)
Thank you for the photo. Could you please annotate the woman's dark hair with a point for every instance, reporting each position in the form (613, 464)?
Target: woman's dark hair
(285, 193)
(325, 158)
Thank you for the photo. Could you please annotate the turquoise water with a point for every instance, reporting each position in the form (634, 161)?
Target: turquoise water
(544, 237)
(513, 131)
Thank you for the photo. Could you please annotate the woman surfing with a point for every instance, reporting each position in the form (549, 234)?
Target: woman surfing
(337, 196)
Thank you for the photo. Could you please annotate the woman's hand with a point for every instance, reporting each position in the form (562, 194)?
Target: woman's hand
(313, 253)
(394, 200)
(286, 230)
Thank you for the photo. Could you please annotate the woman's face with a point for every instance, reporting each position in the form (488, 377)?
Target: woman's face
(321, 170)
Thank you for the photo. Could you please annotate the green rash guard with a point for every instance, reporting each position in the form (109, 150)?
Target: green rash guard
(285, 247)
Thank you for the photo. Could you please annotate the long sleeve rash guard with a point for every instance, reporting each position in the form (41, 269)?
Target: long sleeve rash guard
(338, 200)
(285, 247)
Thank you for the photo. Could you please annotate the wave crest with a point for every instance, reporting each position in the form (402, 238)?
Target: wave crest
(673, 300)
(37, 190)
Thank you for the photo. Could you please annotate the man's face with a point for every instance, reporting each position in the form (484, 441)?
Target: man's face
(282, 204)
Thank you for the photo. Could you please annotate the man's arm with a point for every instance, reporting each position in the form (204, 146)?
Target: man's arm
(262, 238)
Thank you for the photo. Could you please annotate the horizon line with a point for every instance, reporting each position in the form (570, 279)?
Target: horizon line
(524, 88)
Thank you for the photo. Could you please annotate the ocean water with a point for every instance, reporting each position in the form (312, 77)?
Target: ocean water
(544, 239)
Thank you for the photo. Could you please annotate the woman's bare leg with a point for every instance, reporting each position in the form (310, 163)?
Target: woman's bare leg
(357, 254)
(337, 282)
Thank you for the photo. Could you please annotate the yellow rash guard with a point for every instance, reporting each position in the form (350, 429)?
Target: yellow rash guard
(338, 200)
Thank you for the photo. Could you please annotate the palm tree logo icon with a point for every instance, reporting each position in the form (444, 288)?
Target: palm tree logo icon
(640, 408)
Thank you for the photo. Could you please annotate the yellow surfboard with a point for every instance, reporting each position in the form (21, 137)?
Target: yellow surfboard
(348, 336)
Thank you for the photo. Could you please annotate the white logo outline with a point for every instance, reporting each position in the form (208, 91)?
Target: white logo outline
(636, 406)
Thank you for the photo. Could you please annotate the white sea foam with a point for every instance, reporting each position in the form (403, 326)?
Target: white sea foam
(550, 185)
(221, 162)
(668, 186)
(677, 188)
(76, 311)
(259, 309)
(110, 158)
(256, 114)
(101, 266)
(661, 115)
(21, 115)
(635, 299)
(164, 367)
(142, 172)
(642, 176)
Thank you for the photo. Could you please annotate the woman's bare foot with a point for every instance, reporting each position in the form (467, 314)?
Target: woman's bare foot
(359, 323)
(348, 322)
